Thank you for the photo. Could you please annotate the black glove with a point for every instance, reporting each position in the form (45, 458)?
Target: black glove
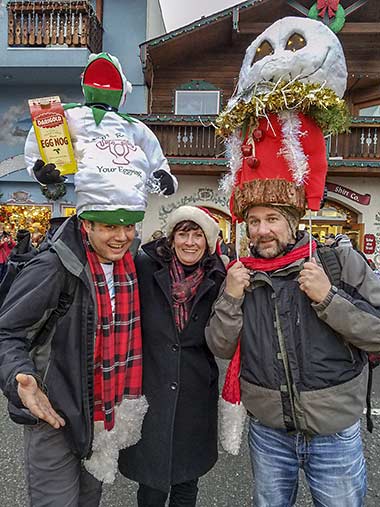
(166, 181)
(47, 174)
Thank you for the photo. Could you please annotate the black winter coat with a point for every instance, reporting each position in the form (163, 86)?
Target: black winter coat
(64, 362)
(180, 381)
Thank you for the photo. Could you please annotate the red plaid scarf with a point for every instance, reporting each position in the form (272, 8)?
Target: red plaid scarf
(118, 349)
(184, 289)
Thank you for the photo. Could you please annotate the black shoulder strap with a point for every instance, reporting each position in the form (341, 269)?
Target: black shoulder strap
(65, 301)
(331, 264)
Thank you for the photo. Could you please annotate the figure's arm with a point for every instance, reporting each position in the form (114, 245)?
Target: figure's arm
(38, 170)
(159, 167)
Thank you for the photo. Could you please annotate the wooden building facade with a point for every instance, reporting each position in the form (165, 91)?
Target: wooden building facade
(191, 73)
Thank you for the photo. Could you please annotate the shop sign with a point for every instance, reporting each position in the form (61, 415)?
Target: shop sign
(349, 194)
(369, 244)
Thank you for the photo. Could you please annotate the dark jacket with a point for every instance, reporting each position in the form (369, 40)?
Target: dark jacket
(180, 381)
(303, 365)
(64, 363)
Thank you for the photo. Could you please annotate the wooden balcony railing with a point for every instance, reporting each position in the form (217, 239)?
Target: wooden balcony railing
(191, 137)
(361, 143)
(181, 138)
(41, 24)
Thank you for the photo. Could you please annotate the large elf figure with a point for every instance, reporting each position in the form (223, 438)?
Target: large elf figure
(114, 152)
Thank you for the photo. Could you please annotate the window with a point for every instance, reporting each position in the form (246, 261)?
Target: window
(197, 102)
(370, 110)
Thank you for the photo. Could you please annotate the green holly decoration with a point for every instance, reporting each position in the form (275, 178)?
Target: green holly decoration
(58, 191)
(339, 19)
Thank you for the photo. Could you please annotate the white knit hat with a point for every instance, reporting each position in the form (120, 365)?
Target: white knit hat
(201, 217)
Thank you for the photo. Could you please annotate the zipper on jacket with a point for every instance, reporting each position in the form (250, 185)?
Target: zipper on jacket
(285, 361)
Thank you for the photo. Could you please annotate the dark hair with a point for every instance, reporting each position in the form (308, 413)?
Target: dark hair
(164, 245)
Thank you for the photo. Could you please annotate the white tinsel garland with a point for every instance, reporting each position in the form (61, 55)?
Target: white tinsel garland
(292, 149)
(235, 161)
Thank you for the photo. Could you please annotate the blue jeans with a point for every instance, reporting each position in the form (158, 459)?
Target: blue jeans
(334, 467)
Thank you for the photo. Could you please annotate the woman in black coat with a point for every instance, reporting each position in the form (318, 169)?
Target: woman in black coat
(179, 279)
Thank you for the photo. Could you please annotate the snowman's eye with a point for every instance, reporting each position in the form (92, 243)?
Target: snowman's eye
(295, 42)
(264, 49)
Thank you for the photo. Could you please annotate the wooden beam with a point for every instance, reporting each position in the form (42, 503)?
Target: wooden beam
(349, 28)
(252, 28)
(373, 172)
(361, 28)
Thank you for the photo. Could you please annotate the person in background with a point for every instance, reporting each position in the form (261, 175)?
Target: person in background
(23, 252)
(157, 235)
(6, 246)
(222, 244)
(355, 246)
(231, 251)
(179, 278)
(342, 240)
(330, 240)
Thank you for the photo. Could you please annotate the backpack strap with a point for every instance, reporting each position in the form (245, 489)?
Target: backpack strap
(331, 264)
(64, 302)
(333, 269)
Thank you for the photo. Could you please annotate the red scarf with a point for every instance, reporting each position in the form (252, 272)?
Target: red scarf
(184, 289)
(118, 348)
(231, 388)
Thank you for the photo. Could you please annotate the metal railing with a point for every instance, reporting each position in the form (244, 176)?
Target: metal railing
(43, 24)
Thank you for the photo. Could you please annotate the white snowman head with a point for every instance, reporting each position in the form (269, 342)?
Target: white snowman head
(293, 48)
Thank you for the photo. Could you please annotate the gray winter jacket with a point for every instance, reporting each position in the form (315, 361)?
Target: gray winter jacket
(303, 365)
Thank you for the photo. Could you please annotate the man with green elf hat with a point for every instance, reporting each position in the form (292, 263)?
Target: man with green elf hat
(70, 334)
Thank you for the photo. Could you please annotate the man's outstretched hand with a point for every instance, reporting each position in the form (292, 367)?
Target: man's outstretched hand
(36, 400)
(166, 181)
(47, 173)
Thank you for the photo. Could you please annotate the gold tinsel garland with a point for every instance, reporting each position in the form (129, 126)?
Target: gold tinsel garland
(322, 104)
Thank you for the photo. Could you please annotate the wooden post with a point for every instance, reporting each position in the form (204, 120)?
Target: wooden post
(99, 11)
(11, 26)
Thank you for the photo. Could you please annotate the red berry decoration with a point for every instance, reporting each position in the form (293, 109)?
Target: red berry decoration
(258, 135)
(253, 162)
(246, 150)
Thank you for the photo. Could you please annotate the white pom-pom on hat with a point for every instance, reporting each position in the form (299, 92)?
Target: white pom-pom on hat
(201, 217)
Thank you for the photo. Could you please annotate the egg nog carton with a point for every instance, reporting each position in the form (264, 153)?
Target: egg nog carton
(52, 133)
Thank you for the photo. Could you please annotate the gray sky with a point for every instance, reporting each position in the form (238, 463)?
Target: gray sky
(181, 12)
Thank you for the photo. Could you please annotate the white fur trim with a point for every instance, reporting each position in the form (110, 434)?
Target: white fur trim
(231, 425)
(208, 225)
(129, 416)
(292, 149)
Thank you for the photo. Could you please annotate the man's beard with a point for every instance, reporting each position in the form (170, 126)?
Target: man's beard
(275, 250)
